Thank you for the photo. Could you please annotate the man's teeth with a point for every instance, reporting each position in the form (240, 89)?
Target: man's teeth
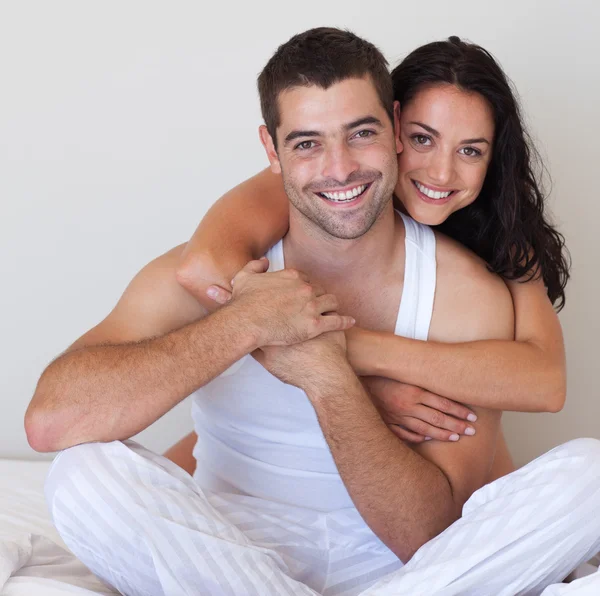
(347, 195)
(432, 194)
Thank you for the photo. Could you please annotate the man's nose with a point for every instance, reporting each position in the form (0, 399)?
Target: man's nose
(339, 163)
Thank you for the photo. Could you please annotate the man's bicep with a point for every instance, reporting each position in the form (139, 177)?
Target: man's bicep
(152, 305)
(466, 463)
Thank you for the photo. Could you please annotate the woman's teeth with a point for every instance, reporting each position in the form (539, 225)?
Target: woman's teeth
(432, 194)
(347, 195)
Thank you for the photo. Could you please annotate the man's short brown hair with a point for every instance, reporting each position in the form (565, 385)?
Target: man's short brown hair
(322, 57)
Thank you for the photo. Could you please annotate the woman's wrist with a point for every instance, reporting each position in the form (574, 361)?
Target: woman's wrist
(363, 348)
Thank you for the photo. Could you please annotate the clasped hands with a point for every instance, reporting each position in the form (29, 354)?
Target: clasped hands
(302, 340)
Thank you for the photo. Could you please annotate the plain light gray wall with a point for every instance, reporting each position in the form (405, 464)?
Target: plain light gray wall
(121, 122)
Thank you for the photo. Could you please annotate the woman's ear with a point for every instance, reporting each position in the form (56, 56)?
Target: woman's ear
(267, 141)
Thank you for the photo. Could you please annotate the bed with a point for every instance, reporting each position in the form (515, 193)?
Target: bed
(33, 559)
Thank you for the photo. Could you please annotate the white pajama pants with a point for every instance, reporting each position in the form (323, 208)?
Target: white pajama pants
(141, 524)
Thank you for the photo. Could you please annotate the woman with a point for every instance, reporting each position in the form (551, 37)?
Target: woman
(467, 169)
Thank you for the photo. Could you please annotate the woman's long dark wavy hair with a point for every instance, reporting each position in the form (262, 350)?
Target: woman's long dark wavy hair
(506, 224)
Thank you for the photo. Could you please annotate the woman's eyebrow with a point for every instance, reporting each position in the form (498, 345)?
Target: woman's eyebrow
(470, 141)
(435, 133)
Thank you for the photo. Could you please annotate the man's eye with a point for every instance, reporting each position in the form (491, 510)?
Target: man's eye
(304, 145)
(363, 134)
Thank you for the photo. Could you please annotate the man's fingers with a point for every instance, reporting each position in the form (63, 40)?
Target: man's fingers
(334, 322)
(448, 406)
(406, 435)
(218, 294)
(327, 303)
(257, 266)
(319, 291)
(295, 274)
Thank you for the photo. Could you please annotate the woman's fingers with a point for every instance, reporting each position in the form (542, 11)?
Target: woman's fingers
(425, 429)
(407, 435)
(447, 406)
(443, 421)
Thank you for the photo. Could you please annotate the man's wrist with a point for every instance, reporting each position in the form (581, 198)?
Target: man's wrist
(340, 379)
(250, 335)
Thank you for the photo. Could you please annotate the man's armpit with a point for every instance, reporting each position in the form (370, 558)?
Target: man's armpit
(467, 462)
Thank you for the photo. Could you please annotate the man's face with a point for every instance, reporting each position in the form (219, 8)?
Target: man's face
(337, 152)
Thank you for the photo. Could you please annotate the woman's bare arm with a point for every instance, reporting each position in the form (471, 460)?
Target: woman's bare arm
(244, 222)
(526, 375)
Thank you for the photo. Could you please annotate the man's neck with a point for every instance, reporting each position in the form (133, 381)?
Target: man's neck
(334, 260)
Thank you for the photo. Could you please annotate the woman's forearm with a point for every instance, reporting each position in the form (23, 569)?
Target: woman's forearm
(239, 227)
(496, 374)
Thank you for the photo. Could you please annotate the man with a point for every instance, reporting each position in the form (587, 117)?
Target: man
(301, 488)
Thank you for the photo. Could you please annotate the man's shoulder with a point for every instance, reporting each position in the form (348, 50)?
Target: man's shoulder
(153, 304)
(471, 302)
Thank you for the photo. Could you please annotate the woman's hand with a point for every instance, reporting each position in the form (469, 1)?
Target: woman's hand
(415, 415)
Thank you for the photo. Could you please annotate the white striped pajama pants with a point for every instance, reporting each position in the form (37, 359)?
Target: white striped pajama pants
(142, 524)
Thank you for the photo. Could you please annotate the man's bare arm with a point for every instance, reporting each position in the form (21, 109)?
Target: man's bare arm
(406, 495)
(145, 357)
(155, 349)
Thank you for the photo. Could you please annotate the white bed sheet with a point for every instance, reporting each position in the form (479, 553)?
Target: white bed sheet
(34, 561)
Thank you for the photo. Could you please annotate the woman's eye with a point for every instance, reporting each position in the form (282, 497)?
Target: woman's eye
(471, 151)
(421, 139)
(304, 145)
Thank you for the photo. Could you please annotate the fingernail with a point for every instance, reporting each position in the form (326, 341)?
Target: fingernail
(472, 418)
(212, 293)
(469, 430)
(454, 437)
(428, 438)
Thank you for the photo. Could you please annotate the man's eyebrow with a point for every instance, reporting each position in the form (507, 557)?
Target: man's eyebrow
(297, 134)
(363, 121)
(435, 133)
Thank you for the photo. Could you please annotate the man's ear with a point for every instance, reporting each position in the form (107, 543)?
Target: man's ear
(399, 146)
(267, 141)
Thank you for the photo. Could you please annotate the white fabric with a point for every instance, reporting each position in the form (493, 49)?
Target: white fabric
(267, 512)
(258, 436)
(586, 586)
(33, 558)
(142, 524)
(420, 274)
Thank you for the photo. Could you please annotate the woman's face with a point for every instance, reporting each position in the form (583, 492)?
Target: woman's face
(447, 135)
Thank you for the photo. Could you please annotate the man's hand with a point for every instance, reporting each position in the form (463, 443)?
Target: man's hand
(283, 307)
(311, 365)
(416, 415)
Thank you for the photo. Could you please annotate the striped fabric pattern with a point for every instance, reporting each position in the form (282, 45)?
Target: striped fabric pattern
(142, 525)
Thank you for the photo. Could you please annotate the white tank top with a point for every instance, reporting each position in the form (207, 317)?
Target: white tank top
(260, 437)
